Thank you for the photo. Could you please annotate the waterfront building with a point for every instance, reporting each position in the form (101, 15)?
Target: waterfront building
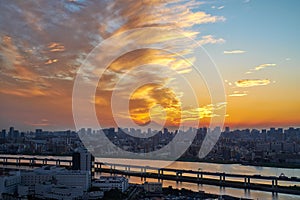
(82, 160)
(106, 183)
(153, 187)
(57, 175)
(72, 178)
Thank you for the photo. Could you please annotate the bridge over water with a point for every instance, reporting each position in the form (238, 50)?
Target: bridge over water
(256, 182)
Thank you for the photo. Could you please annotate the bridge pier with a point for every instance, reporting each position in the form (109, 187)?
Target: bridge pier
(199, 176)
(143, 171)
(57, 162)
(32, 162)
(160, 173)
(222, 178)
(178, 176)
(97, 166)
(18, 161)
(128, 168)
(112, 169)
(274, 183)
(44, 161)
(245, 182)
(4, 161)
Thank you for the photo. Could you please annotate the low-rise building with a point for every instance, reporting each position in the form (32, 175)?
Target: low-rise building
(40, 175)
(51, 191)
(9, 182)
(106, 183)
(95, 195)
(74, 178)
(153, 187)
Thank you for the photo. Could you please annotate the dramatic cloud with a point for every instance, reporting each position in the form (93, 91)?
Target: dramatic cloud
(234, 52)
(252, 82)
(43, 44)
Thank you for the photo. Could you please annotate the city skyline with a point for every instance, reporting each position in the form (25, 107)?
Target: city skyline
(254, 45)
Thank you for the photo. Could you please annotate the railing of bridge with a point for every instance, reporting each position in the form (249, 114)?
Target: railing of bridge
(198, 176)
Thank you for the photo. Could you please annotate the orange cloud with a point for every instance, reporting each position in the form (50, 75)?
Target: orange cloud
(56, 47)
(51, 61)
(29, 67)
(264, 66)
(24, 92)
(238, 94)
(252, 82)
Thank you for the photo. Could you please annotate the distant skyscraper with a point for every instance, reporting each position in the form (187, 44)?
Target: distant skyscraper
(89, 131)
(3, 134)
(16, 134)
(38, 132)
(227, 129)
(11, 132)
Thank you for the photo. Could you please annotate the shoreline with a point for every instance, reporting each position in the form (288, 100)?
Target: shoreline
(273, 165)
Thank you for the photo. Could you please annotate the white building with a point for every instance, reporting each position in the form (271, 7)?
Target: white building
(82, 160)
(9, 182)
(106, 183)
(40, 175)
(72, 178)
(57, 174)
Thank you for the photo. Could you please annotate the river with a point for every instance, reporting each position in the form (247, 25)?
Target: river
(210, 167)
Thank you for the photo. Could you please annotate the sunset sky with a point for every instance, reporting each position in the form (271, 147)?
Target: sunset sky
(254, 44)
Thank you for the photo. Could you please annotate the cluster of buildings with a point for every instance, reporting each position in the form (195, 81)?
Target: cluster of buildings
(52, 182)
(39, 142)
(275, 145)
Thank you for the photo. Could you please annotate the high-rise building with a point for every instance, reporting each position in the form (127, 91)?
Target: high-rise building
(83, 160)
(38, 132)
(3, 134)
(227, 129)
(11, 132)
